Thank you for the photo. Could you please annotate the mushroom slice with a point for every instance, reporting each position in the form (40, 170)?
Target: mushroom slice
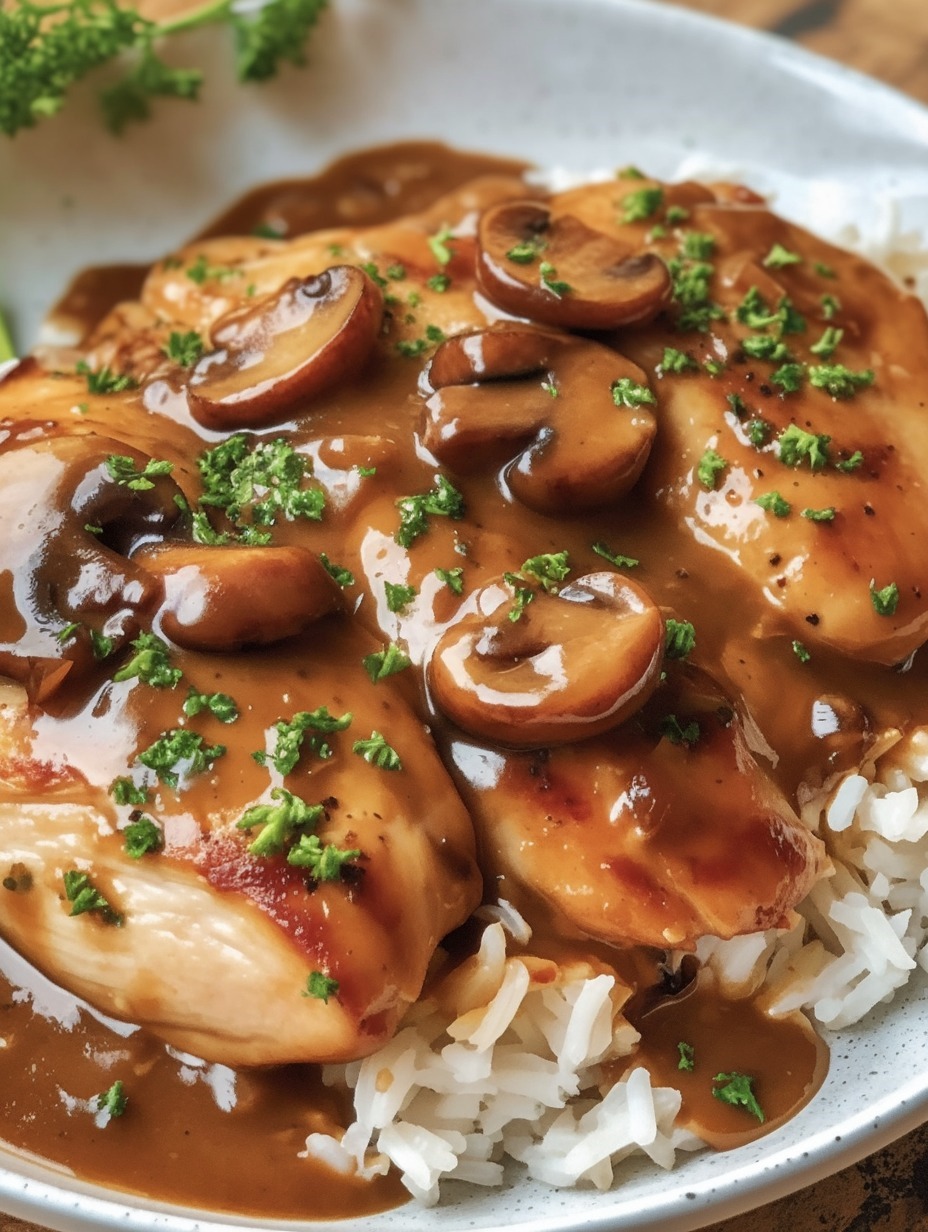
(571, 666)
(70, 511)
(223, 598)
(287, 348)
(551, 393)
(561, 272)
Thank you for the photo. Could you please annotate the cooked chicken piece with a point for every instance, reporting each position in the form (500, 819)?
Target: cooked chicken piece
(657, 833)
(220, 931)
(792, 370)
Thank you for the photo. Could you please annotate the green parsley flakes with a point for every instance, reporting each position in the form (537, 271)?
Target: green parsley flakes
(150, 664)
(738, 1090)
(641, 204)
(709, 468)
(779, 258)
(320, 987)
(278, 821)
(798, 446)
(377, 752)
(86, 899)
(384, 663)
(773, 502)
(626, 392)
(179, 754)
(886, 600)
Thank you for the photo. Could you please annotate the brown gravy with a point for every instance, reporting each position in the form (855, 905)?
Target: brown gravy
(177, 1142)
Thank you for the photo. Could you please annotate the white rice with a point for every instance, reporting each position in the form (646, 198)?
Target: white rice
(514, 1058)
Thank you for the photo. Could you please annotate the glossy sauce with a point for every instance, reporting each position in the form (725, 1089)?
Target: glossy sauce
(825, 716)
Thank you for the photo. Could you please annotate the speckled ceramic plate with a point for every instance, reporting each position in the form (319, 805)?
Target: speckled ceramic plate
(577, 83)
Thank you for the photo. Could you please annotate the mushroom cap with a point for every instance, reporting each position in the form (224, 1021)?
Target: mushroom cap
(285, 349)
(571, 666)
(561, 272)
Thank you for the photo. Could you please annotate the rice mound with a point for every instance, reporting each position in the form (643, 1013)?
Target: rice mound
(506, 1058)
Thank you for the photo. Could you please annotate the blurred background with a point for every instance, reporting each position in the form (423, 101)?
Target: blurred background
(886, 38)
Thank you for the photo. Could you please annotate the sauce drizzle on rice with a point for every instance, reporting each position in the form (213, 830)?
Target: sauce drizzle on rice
(439, 541)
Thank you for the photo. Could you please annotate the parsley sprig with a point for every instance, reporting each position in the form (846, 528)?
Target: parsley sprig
(46, 49)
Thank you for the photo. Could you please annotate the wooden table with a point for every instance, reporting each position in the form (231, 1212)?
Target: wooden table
(887, 1192)
(887, 39)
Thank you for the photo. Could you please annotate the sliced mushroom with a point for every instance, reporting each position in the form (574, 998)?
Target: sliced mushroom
(66, 527)
(550, 394)
(223, 598)
(287, 348)
(561, 272)
(571, 666)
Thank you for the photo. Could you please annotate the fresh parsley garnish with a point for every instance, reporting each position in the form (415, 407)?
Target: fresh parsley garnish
(126, 473)
(142, 836)
(444, 501)
(180, 753)
(738, 1090)
(626, 392)
(679, 639)
(103, 380)
(184, 348)
(290, 734)
(325, 862)
(85, 898)
(220, 705)
(614, 558)
(885, 600)
(151, 663)
(377, 752)
(384, 663)
(320, 986)
(773, 502)
(278, 821)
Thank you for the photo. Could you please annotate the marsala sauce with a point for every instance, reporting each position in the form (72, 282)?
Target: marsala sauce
(177, 1142)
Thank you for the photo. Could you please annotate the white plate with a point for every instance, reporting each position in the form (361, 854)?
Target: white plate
(577, 83)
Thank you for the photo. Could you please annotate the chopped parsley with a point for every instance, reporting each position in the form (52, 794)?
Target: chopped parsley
(614, 558)
(764, 346)
(398, 597)
(320, 986)
(185, 349)
(697, 246)
(839, 381)
(85, 898)
(101, 645)
(773, 502)
(202, 272)
(113, 1101)
(180, 753)
(549, 279)
(384, 663)
(438, 244)
(626, 392)
(852, 463)
(445, 501)
(679, 639)
(820, 515)
(779, 258)
(342, 577)
(710, 466)
(886, 600)
(266, 479)
(439, 283)
(677, 361)
(124, 791)
(151, 663)
(758, 431)
(141, 837)
(641, 204)
(104, 381)
(831, 306)
(691, 282)
(828, 343)
(325, 863)
(452, 578)
(789, 377)
(550, 569)
(527, 251)
(290, 734)
(126, 473)
(220, 705)
(738, 1090)
(278, 821)
(798, 446)
(377, 752)
(687, 1056)
(801, 652)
